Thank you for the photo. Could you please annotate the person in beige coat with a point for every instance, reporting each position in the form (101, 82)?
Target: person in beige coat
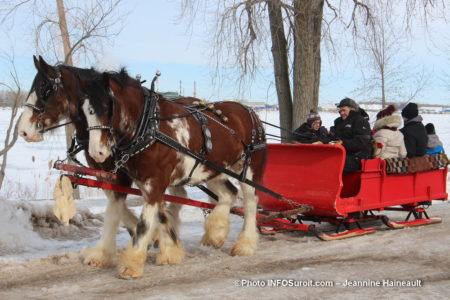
(389, 141)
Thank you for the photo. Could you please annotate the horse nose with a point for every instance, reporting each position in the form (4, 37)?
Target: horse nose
(99, 155)
(22, 133)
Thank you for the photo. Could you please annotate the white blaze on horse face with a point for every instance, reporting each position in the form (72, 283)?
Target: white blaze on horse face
(27, 128)
(97, 150)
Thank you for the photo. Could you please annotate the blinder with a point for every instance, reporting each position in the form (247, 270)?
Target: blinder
(55, 84)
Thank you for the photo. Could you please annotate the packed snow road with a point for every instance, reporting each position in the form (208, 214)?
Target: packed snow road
(399, 264)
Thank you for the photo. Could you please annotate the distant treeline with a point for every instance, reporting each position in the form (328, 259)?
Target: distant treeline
(7, 98)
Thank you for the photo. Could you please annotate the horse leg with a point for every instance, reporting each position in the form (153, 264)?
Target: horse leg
(171, 250)
(132, 258)
(217, 225)
(247, 240)
(129, 219)
(103, 254)
(174, 208)
(174, 211)
(153, 218)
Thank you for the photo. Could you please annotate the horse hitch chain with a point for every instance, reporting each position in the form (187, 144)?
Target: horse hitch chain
(121, 163)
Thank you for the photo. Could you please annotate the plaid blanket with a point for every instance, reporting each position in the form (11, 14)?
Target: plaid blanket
(416, 164)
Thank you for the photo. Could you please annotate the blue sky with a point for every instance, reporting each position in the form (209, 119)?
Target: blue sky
(152, 40)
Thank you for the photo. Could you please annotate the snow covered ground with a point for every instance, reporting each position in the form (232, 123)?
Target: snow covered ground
(25, 251)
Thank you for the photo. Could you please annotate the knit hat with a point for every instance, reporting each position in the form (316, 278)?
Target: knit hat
(410, 111)
(386, 112)
(430, 128)
(348, 102)
(312, 116)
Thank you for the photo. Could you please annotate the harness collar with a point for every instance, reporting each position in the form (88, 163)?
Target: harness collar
(145, 135)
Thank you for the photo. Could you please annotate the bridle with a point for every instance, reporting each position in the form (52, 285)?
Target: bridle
(104, 127)
(56, 83)
(149, 113)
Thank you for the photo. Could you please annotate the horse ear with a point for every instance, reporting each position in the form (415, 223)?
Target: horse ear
(45, 67)
(111, 82)
(36, 63)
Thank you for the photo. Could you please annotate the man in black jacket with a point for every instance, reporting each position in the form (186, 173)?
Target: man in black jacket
(414, 132)
(352, 130)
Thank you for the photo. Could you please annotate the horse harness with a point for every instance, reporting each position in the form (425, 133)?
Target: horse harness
(148, 133)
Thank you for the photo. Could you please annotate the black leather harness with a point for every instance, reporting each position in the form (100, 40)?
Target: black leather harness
(148, 133)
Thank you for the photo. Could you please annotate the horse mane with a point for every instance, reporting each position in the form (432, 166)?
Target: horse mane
(123, 78)
(96, 86)
(85, 74)
(97, 90)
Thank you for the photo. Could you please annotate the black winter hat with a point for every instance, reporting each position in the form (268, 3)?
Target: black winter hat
(410, 111)
(312, 116)
(430, 128)
(348, 102)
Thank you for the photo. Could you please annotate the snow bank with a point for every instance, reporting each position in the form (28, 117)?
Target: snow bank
(26, 227)
(16, 231)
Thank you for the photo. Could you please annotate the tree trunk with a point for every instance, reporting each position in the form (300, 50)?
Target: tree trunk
(11, 127)
(307, 60)
(64, 33)
(383, 89)
(69, 129)
(281, 67)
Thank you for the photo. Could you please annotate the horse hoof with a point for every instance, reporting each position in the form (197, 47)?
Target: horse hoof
(171, 257)
(242, 251)
(96, 257)
(97, 263)
(244, 246)
(128, 273)
(208, 241)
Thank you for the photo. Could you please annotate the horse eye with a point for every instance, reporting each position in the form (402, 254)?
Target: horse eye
(91, 110)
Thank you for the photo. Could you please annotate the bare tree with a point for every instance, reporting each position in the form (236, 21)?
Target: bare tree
(245, 30)
(68, 30)
(387, 75)
(293, 30)
(12, 129)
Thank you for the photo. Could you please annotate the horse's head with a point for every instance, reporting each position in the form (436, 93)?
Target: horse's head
(46, 103)
(97, 107)
(112, 104)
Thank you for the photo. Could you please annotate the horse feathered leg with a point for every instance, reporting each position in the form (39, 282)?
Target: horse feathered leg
(171, 250)
(153, 218)
(129, 219)
(247, 240)
(132, 259)
(104, 253)
(217, 225)
(175, 208)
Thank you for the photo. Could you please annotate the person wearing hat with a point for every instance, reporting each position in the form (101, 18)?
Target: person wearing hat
(389, 141)
(311, 131)
(352, 130)
(414, 132)
(434, 145)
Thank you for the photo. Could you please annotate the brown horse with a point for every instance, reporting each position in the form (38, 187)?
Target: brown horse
(114, 109)
(54, 96)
